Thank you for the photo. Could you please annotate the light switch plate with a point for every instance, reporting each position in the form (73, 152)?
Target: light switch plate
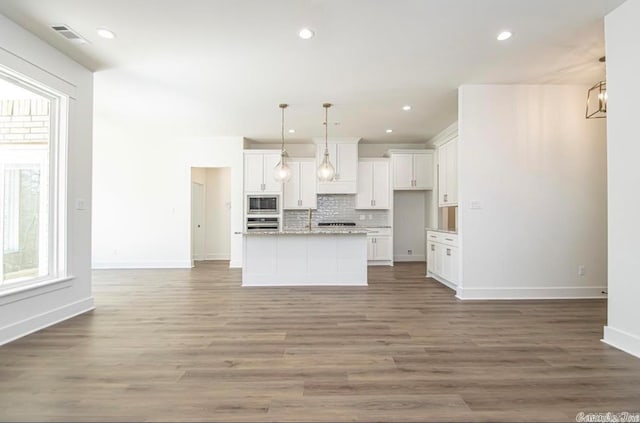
(476, 205)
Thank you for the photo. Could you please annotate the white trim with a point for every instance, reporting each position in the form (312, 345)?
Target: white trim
(442, 280)
(531, 293)
(235, 264)
(405, 258)
(143, 264)
(444, 136)
(380, 263)
(622, 340)
(35, 323)
(33, 288)
(217, 256)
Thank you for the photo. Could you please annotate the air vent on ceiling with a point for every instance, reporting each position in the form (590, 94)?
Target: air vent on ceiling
(69, 34)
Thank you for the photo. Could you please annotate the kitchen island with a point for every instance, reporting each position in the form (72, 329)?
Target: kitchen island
(305, 257)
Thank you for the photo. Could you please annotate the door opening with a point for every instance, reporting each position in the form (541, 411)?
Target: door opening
(210, 214)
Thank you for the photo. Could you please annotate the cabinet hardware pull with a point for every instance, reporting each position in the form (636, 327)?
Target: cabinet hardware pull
(449, 239)
(433, 247)
(448, 251)
(446, 198)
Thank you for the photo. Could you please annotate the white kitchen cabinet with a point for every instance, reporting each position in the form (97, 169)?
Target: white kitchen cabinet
(412, 170)
(259, 171)
(373, 184)
(443, 262)
(344, 158)
(448, 174)
(300, 190)
(380, 246)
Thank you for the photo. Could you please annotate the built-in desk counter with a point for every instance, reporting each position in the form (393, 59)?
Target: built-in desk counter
(305, 258)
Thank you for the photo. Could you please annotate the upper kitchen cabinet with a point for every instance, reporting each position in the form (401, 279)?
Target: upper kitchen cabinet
(259, 171)
(300, 190)
(448, 174)
(412, 169)
(343, 154)
(373, 184)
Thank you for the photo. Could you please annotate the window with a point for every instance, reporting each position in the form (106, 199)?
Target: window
(32, 194)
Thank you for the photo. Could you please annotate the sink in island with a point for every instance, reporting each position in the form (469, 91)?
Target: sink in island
(305, 257)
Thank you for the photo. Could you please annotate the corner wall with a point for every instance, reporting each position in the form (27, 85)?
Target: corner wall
(28, 311)
(532, 191)
(622, 35)
(146, 141)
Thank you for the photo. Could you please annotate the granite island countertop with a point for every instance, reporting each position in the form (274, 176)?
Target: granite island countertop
(340, 231)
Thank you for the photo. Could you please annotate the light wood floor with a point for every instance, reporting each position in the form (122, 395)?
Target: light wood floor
(192, 345)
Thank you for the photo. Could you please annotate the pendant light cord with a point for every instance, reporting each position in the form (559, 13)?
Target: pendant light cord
(326, 127)
(282, 107)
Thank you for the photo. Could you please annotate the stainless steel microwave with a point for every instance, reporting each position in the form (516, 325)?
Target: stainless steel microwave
(263, 204)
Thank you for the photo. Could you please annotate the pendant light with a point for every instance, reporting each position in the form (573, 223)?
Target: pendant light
(597, 99)
(326, 171)
(282, 172)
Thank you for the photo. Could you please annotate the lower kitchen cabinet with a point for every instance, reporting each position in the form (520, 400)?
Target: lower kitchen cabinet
(379, 247)
(442, 257)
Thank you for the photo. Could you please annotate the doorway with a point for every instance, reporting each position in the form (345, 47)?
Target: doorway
(210, 214)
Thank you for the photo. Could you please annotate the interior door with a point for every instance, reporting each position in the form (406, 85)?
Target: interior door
(197, 221)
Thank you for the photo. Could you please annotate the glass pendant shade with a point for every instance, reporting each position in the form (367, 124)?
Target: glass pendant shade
(282, 172)
(597, 101)
(326, 171)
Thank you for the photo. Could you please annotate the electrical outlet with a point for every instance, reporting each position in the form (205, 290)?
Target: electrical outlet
(581, 270)
(410, 252)
(362, 217)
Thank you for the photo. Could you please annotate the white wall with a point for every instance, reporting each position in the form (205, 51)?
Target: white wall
(537, 169)
(217, 214)
(28, 311)
(410, 211)
(623, 69)
(146, 140)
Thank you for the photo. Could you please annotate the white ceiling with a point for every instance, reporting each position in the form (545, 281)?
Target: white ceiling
(369, 58)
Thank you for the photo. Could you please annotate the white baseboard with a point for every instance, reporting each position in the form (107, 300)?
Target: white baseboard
(235, 264)
(32, 324)
(409, 258)
(622, 340)
(547, 293)
(217, 257)
(380, 263)
(146, 264)
(442, 281)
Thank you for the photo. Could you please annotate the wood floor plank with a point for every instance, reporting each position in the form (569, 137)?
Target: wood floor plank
(193, 345)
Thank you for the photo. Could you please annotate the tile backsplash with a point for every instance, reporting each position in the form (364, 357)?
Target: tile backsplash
(335, 208)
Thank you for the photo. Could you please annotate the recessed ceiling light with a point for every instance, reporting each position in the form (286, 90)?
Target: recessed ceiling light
(292, 131)
(388, 131)
(105, 33)
(306, 33)
(406, 108)
(504, 35)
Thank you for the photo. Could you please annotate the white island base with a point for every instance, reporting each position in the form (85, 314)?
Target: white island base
(305, 258)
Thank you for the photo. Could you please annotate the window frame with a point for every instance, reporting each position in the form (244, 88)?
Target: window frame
(57, 263)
